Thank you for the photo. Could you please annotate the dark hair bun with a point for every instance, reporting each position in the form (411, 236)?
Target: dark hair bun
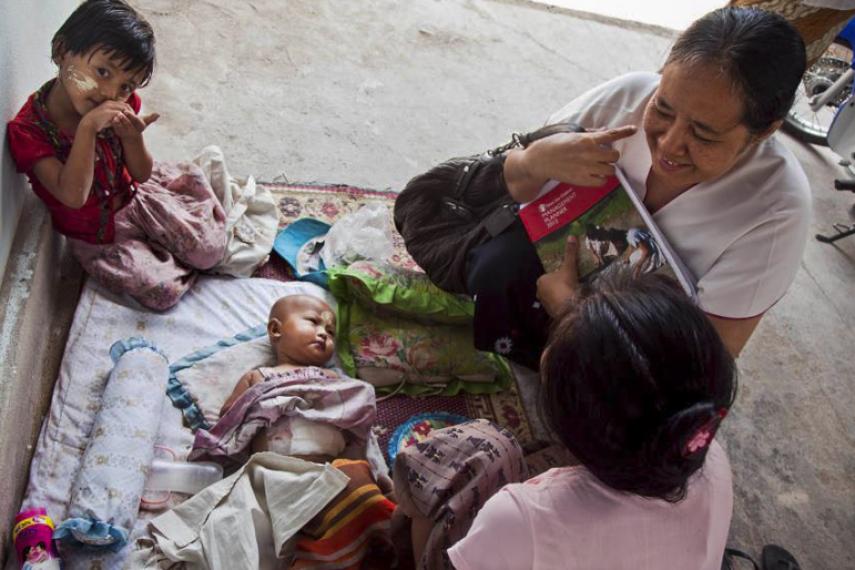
(681, 441)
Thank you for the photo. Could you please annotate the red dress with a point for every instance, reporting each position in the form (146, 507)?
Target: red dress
(33, 136)
(149, 241)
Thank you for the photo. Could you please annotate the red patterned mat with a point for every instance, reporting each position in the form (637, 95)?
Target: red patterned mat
(328, 203)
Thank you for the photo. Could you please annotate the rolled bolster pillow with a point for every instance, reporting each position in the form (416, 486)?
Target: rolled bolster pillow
(105, 497)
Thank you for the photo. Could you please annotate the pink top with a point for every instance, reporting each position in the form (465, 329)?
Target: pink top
(566, 518)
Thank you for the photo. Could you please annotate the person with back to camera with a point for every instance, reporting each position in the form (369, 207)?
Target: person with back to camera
(635, 383)
(137, 227)
(696, 142)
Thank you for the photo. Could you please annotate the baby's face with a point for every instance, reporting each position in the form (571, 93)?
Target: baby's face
(307, 332)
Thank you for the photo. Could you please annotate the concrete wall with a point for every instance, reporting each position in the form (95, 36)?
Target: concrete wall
(26, 28)
(37, 301)
(40, 285)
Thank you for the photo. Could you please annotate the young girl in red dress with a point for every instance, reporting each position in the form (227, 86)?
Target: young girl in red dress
(137, 227)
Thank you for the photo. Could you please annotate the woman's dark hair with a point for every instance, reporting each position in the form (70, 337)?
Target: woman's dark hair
(760, 52)
(111, 25)
(633, 369)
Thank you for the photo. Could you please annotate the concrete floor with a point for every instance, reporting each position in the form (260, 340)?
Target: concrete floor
(372, 92)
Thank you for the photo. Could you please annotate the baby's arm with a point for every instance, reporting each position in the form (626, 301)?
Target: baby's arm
(246, 382)
(70, 183)
(129, 128)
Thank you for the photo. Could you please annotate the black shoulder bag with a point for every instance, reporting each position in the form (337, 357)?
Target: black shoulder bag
(460, 204)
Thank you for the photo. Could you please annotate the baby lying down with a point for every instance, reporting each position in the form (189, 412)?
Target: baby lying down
(300, 409)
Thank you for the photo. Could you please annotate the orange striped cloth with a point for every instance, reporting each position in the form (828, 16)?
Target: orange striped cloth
(352, 531)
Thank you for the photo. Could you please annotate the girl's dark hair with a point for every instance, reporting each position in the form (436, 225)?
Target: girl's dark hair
(633, 369)
(111, 25)
(760, 52)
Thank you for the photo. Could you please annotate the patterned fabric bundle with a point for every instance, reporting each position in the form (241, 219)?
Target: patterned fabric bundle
(105, 498)
(448, 477)
(352, 531)
(172, 229)
(308, 393)
(251, 215)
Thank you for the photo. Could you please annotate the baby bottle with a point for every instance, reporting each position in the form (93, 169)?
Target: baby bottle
(168, 475)
(182, 477)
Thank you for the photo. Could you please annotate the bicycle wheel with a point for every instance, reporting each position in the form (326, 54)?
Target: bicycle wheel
(803, 122)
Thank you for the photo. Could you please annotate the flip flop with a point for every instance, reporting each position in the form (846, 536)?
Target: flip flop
(730, 554)
(776, 558)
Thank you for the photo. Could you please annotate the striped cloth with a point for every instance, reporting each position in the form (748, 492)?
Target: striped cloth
(352, 531)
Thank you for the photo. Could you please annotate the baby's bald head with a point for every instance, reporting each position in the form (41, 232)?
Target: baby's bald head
(302, 330)
(285, 305)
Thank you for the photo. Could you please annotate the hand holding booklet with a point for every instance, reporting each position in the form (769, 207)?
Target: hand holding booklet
(612, 225)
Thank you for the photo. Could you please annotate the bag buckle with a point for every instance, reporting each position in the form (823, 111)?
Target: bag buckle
(501, 219)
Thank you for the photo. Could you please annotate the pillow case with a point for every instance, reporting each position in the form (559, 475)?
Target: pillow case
(405, 293)
(399, 332)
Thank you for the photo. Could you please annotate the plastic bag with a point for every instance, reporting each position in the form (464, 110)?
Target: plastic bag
(364, 234)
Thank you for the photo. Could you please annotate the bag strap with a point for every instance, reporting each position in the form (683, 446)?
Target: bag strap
(503, 216)
(522, 140)
(518, 140)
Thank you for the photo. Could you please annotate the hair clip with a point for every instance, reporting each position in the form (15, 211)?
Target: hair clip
(704, 435)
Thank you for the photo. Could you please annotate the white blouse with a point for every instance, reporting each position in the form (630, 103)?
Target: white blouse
(741, 235)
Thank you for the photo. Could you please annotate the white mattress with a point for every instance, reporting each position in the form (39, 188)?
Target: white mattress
(216, 308)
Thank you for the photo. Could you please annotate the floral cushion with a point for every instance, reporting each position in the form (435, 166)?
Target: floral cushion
(398, 331)
(393, 352)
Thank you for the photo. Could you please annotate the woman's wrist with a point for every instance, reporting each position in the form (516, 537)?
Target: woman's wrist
(522, 184)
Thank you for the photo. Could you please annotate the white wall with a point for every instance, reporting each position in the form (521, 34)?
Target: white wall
(26, 28)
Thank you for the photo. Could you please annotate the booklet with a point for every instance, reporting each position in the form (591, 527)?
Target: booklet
(612, 225)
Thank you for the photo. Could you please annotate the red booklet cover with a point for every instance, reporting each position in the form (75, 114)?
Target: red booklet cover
(612, 225)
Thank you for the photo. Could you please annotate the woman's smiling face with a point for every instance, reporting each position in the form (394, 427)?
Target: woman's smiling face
(693, 124)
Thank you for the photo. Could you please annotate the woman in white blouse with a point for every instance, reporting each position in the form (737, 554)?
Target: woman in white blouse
(697, 143)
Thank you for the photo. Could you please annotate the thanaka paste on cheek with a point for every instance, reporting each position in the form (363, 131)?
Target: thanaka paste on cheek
(83, 82)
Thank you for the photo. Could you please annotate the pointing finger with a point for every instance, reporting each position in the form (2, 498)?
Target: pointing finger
(613, 135)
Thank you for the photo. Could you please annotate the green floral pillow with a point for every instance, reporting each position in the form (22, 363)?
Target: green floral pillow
(398, 354)
(398, 331)
(400, 291)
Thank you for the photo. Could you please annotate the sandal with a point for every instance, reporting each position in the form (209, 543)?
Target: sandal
(776, 558)
(730, 554)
